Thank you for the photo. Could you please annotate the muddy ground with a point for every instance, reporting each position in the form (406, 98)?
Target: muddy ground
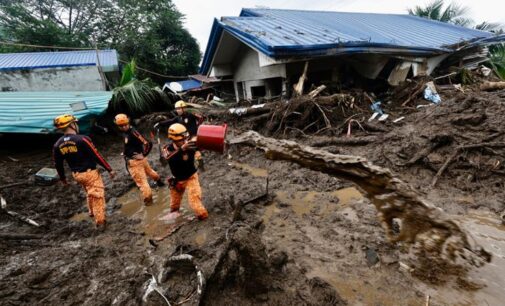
(314, 240)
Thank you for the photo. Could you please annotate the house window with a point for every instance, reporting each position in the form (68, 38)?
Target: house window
(258, 91)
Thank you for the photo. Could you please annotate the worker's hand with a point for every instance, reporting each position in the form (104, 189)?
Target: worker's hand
(190, 145)
(138, 156)
(112, 174)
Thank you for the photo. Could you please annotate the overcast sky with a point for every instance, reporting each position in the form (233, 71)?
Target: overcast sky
(201, 13)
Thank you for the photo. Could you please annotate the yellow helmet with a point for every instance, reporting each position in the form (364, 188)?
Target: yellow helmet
(177, 131)
(63, 121)
(180, 104)
(121, 119)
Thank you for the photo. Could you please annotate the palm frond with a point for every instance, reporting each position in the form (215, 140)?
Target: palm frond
(497, 59)
(434, 10)
(128, 73)
(489, 26)
(136, 97)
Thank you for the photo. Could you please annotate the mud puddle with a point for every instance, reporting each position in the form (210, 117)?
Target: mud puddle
(306, 202)
(321, 246)
(153, 218)
(257, 172)
(488, 232)
(372, 286)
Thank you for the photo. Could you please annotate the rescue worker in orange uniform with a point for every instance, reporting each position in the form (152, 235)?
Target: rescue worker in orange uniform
(190, 120)
(136, 149)
(82, 157)
(180, 154)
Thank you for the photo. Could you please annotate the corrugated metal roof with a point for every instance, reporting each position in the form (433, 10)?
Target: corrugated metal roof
(33, 112)
(182, 86)
(33, 60)
(287, 33)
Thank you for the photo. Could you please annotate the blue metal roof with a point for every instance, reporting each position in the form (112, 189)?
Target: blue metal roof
(291, 33)
(190, 84)
(33, 60)
(185, 85)
(33, 112)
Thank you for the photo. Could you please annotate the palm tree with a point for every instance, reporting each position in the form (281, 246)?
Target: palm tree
(452, 13)
(494, 27)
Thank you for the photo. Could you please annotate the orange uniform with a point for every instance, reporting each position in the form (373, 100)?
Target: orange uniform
(82, 158)
(182, 165)
(135, 151)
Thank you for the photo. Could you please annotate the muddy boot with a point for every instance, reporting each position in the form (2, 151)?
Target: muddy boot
(203, 216)
(101, 227)
(148, 201)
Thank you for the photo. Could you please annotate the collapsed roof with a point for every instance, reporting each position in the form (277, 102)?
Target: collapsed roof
(281, 34)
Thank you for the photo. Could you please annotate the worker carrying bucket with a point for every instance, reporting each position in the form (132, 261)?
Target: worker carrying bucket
(191, 121)
(82, 158)
(136, 149)
(180, 154)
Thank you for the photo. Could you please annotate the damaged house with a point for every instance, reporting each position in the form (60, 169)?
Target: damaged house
(38, 86)
(265, 51)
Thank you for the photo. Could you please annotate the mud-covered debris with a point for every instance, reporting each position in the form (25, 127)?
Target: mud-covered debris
(422, 223)
(372, 258)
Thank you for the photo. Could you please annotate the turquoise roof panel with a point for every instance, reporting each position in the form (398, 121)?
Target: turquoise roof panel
(33, 112)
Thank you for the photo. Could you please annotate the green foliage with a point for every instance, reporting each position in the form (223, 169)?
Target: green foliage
(452, 13)
(465, 77)
(149, 30)
(135, 97)
(497, 59)
(128, 73)
(495, 27)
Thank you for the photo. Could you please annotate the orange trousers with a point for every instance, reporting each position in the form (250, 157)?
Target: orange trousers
(194, 196)
(92, 183)
(140, 170)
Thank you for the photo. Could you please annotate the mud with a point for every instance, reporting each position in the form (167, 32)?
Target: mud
(315, 240)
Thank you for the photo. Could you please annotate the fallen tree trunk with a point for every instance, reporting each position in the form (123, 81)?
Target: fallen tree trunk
(492, 85)
(421, 222)
(332, 141)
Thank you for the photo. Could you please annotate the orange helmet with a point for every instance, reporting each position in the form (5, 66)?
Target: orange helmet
(63, 121)
(121, 119)
(177, 131)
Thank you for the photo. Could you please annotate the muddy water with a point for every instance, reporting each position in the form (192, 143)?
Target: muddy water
(258, 172)
(306, 202)
(490, 233)
(486, 229)
(153, 221)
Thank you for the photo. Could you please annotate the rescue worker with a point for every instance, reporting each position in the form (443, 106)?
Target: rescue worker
(82, 157)
(136, 149)
(180, 154)
(190, 121)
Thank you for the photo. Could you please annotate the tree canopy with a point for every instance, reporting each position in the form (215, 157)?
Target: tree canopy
(151, 31)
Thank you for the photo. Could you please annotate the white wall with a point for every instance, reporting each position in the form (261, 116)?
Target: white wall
(247, 67)
(85, 78)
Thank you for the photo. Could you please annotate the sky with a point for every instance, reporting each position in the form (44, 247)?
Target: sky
(201, 13)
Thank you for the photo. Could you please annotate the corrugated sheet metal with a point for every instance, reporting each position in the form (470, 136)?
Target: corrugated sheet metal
(182, 86)
(190, 84)
(33, 60)
(287, 33)
(33, 112)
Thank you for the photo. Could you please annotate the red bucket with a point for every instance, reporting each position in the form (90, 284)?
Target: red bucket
(211, 137)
